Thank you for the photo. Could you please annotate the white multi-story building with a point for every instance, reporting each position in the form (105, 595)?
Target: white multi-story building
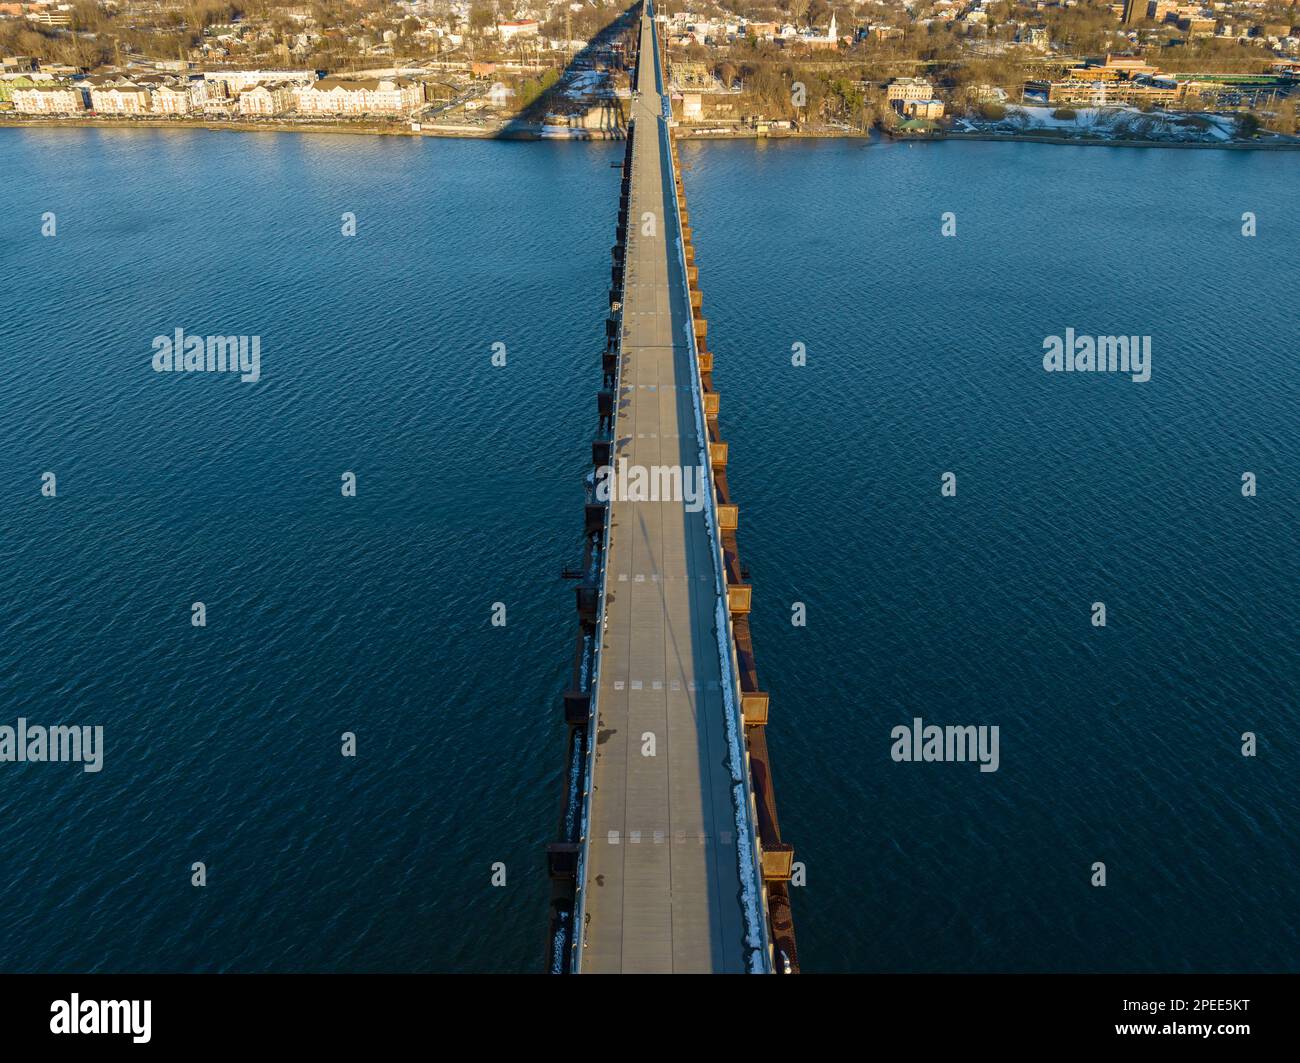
(266, 100)
(173, 99)
(49, 99)
(397, 96)
(121, 99)
(908, 89)
(363, 96)
(527, 27)
(332, 96)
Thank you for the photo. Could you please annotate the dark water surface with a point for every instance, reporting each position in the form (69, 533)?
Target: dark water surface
(371, 614)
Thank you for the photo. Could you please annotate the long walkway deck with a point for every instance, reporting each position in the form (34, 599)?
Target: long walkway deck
(662, 882)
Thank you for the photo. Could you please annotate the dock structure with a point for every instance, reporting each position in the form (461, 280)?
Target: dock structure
(670, 858)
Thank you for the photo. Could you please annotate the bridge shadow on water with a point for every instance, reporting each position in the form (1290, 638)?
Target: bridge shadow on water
(610, 49)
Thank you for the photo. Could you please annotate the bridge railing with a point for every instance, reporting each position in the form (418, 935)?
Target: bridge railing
(751, 862)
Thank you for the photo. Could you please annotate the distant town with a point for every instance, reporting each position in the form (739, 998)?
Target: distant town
(1142, 71)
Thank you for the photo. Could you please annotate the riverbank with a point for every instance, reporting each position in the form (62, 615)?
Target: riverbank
(1110, 142)
(506, 132)
(390, 129)
(685, 133)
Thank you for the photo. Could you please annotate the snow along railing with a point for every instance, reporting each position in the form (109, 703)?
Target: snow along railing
(776, 855)
(748, 853)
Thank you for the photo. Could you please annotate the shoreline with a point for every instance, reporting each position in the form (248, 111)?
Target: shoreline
(458, 132)
(152, 124)
(1098, 142)
(826, 135)
(600, 135)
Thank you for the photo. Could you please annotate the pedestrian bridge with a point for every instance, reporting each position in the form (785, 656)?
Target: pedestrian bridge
(671, 857)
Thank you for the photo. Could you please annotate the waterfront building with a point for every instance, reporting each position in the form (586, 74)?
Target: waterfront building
(173, 99)
(49, 99)
(927, 109)
(903, 93)
(266, 100)
(902, 89)
(362, 96)
(121, 99)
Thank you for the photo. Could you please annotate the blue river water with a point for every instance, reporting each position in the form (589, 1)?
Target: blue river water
(372, 614)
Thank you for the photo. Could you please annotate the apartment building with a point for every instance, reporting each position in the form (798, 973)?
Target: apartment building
(267, 99)
(173, 99)
(121, 99)
(49, 99)
(362, 96)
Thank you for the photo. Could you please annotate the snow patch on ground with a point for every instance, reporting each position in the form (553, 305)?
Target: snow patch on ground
(583, 83)
(1105, 123)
